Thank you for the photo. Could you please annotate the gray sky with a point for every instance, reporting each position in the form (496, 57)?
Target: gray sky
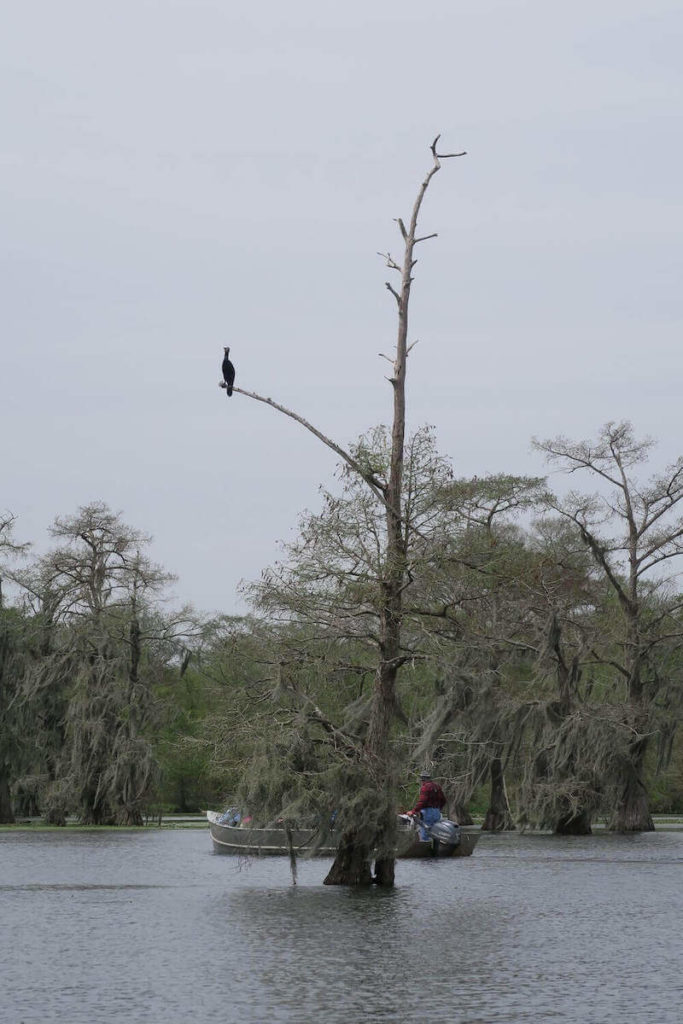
(177, 175)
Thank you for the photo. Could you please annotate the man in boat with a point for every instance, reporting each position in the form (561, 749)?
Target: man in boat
(430, 803)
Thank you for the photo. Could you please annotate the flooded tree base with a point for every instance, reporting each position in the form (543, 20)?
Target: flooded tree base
(633, 813)
(352, 866)
(574, 825)
(498, 821)
(632, 820)
(384, 872)
(460, 813)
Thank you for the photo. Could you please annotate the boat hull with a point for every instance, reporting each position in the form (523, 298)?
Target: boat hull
(414, 848)
(274, 842)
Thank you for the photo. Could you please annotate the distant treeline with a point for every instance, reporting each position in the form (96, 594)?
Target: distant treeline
(540, 671)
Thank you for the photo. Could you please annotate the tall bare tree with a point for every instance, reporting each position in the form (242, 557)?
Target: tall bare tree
(352, 864)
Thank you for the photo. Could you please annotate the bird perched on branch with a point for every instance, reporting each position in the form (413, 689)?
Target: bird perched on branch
(228, 372)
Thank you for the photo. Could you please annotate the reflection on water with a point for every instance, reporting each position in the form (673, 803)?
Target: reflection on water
(135, 927)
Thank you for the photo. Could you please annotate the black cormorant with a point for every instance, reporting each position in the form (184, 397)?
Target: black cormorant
(228, 372)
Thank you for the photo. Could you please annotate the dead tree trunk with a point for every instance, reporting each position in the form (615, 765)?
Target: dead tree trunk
(358, 844)
(377, 755)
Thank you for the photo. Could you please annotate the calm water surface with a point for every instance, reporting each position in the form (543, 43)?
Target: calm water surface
(128, 927)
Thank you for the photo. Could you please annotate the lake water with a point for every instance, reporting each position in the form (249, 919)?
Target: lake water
(151, 926)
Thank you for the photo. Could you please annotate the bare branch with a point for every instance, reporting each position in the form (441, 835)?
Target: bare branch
(443, 156)
(350, 742)
(390, 261)
(373, 483)
(393, 292)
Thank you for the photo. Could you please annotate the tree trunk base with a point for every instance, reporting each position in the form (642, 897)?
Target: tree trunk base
(574, 825)
(498, 816)
(632, 820)
(130, 818)
(6, 812)
(633, 812)
(53, 816)
(385, 872)
(98, 818)
(498, 821)
(352, 864)
(460, 813)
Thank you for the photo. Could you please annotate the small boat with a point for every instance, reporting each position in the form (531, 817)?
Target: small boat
(446, 840)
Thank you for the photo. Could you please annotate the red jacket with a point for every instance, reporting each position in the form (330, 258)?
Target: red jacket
(431, 795)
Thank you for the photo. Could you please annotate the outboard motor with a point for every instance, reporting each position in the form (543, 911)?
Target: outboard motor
(445, 831)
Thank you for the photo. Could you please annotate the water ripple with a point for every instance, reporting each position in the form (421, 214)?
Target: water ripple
(151, 928)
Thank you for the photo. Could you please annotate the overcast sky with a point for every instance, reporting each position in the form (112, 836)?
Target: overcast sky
(179, 175)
